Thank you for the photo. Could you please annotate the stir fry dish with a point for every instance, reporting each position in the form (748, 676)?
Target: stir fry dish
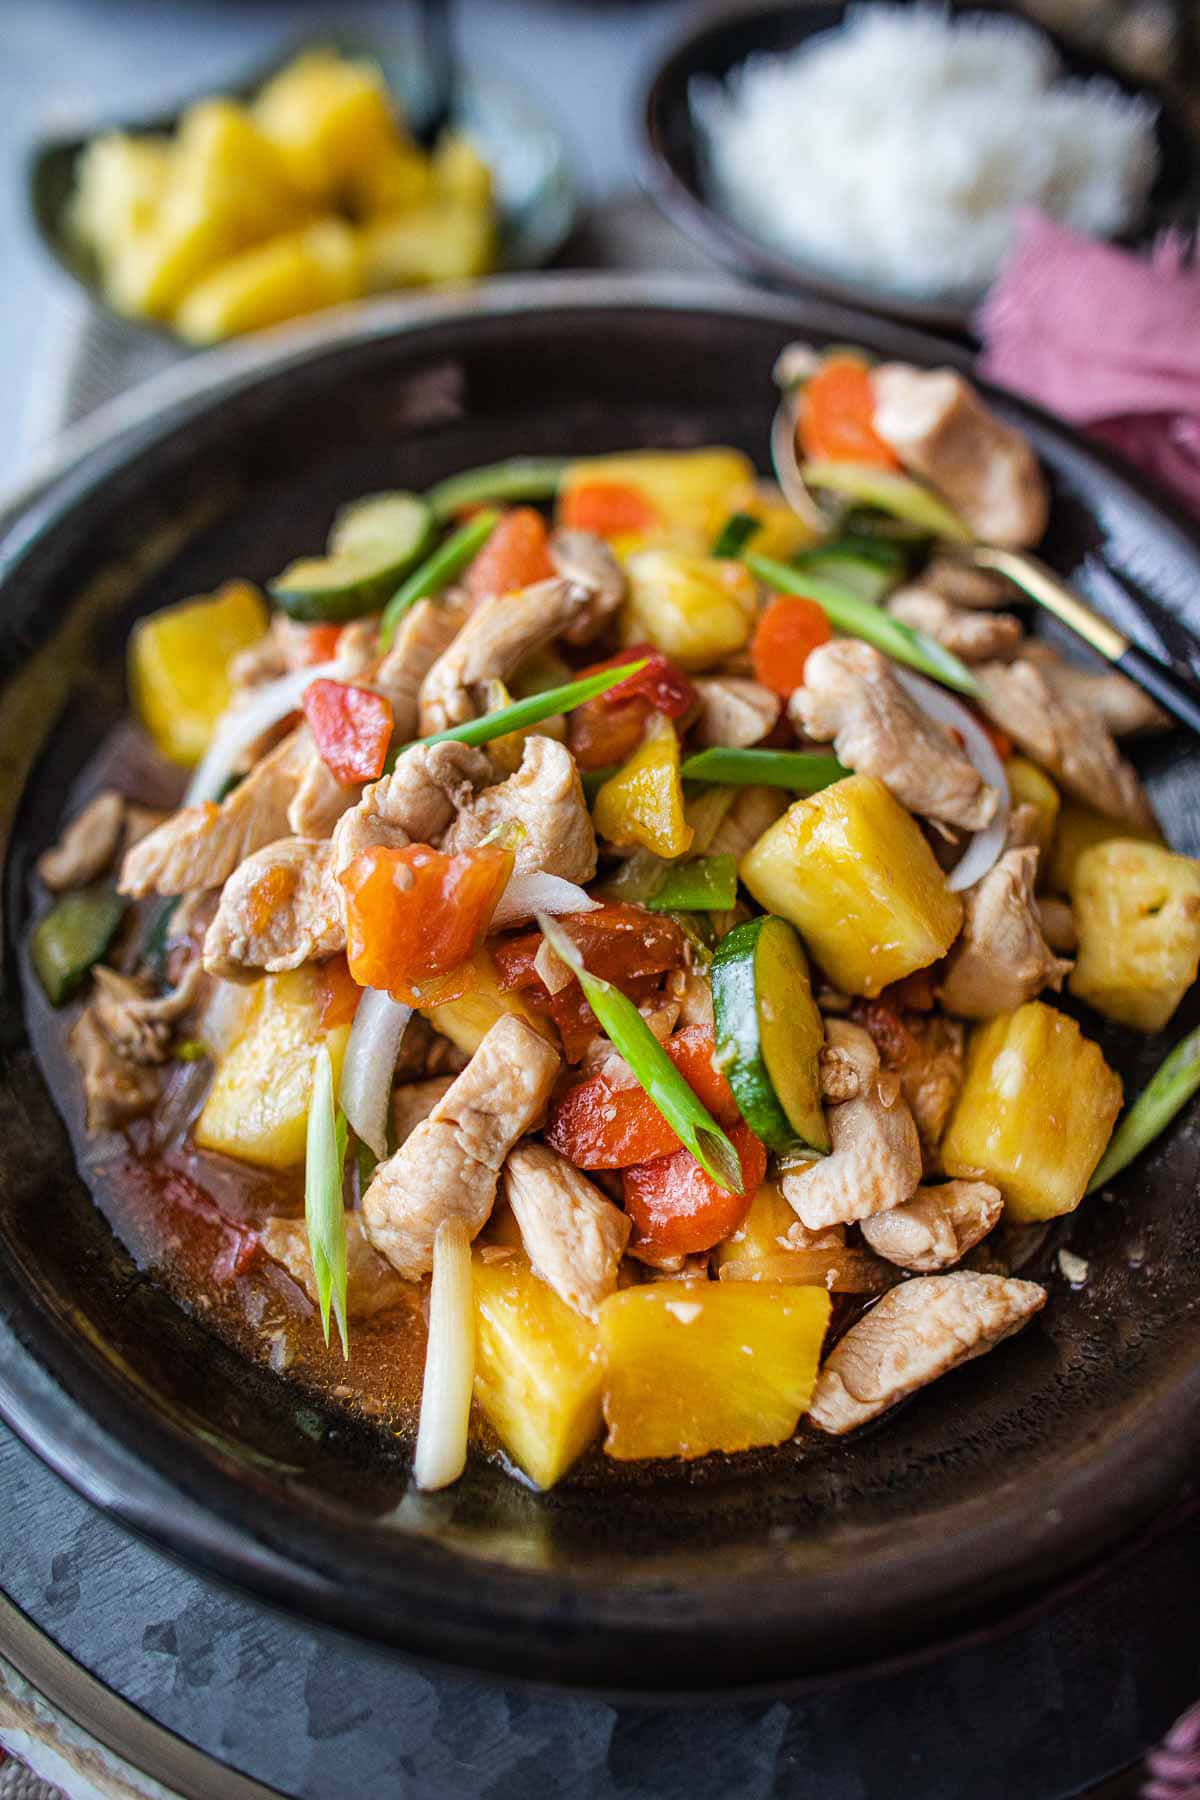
(620, 956)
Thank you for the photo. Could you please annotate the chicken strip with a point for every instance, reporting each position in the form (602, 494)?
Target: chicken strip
(1071, 742)
(1126, 708)
(926, 1051)
(372, 1285)
(573, 1236)
(424, 634)
(851, 695)
(115, 1089)
(87, 846)
(875, 1162)
(450, 1166)
(281, 908)
(941, 430)
(937, 1227)
(495, 640)
(545, 798)
(915, 1333)
(586, 561)
(973, 636)
(416, 803)
(1001, 958)
(137, 1022)
(734, 712)
(413, 1102)
(960, 582)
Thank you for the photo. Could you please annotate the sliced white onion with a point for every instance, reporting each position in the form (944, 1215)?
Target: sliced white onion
(449, 1361)
(244, 723)
(533, 892)
(366, 1087)
(987, 845)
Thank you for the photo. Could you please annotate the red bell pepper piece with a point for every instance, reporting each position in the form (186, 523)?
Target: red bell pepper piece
(415, 916)
(609, 729)
(515, 556)
(608, 508)
(352, 728)
(787, 633)
(677, 1209)
(596, 1126)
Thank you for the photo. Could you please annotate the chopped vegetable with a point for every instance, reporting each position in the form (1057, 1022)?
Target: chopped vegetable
(72, 937)
(735, 534)
(366, 1087)
(695, 1366)
(1078, 828)
(352, 728)
(1036, 1109)
(869, 567)
(702, 884)
(414, 917)
(518, 478)
(897, 495)
(243, 725)
(985, 847)
(372, 544)
(597, 1126)
(609, 729)
(1137, 912)
(441, 1453)
(851, 870)
(1168, 1090)
(324, 1206)
(609, 510)
(677, 1209)
(538, 1369)
(437, 572)
(858, 618)
(802, 771)
(787, 633)
(642, 804)
(179, 666)
(629, 1033)
(769, 1033)
(532, 892)
(467, 1019)
(695, 608)
(514, 556)
(836, 414)
(673, 498)
(523, 713)
(758, 1251)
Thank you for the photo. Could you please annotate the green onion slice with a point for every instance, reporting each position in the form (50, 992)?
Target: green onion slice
(324, 1208)
(803, 771)
(530, 711)
(519, 478)
(861, 618)
(735, 534)
(436, 572)
(1169, 1088)
(704, 884)
(629, 1034)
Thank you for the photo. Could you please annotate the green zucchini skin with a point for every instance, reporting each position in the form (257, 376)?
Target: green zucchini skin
(372, 546)
(768, 1041)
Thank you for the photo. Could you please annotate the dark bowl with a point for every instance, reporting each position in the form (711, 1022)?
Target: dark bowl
(1017, 1471)
(672, 155)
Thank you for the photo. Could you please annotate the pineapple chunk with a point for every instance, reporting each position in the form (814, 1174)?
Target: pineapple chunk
(781, 531)
(1078, 828)
(283, 279)
(1030, 786)
(393, 183)
(700, 1366)
(330, 117)
(120, 183)
(179, 661)
(758, 1237)
(440, 240)
(538, 1372)
(148, 274)
(257, 1109)
(851, 871)
(688, 494)
(642, 804)
(1137, 911)
(697, 609)
(1035, 1113)
(224, 168)
(460, 173)
(467, 1020)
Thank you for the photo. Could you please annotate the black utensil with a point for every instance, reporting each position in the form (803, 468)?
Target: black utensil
(437, 36)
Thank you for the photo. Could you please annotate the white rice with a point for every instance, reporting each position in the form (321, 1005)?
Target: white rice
(898, 148)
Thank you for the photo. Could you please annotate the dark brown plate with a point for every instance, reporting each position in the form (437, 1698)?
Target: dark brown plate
(1020, 1469)
(673, 160)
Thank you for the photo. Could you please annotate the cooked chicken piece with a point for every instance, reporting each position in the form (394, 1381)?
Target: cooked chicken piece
(960, 582)
(694, 995)
(136, 1021)
(586, 561)
(851, 695)
(1126, 708)
(450, 1166)
(425, 633)
(415, 804)
(1058, 924)
(973, 636)
(201, 846)
(495, 640)
(280, 908)
(940, 429)
(87, 846)
(414, 1101)
(1001, 958)
(915, 1333)
(140, 821)
(734, 712)
(114, 1090)
(754, 811)
(876, 1158)
(926, 1051)
(1024, 828)
(1071, 743)
(545, 798)
(849, 1063)
(286, 646)
(372, 1285)
(425, 1052)
(937, 1227)
(319, 799)
(799, 1237)
(573, 1236)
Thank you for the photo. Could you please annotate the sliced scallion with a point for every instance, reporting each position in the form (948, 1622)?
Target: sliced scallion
(704, 884)
(519, 478)
(530, 711)
(735, 534)
(1169, 1088)
(436, 572)
(802, 771)
(324, 1207)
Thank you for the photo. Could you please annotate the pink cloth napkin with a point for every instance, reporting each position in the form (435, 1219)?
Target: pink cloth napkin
(1106, 339)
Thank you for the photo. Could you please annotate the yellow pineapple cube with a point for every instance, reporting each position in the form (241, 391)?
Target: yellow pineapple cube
(1036, 1111)
(283, 279)
(698, 609)
(703, 1365)
(686, 496)
(179, 665)
(1078, 828)
(392, 183)
(642, 804)
(851, 871)
(1031, 786)
(538, 1371)
(467, 1020)
(1137, 911)
(460, 173)
(224, 168)
(441, 240)
(759, 1237)
(330, 117)
(120, 184)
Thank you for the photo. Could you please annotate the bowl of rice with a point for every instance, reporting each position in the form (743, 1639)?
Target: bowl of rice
(880, 153)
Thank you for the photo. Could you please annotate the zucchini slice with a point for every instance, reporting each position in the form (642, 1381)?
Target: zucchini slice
(373, 543)
(769, 1033)
(868, 567)
(885, 491)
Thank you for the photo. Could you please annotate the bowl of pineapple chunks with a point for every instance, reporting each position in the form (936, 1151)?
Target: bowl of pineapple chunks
(302, 189)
